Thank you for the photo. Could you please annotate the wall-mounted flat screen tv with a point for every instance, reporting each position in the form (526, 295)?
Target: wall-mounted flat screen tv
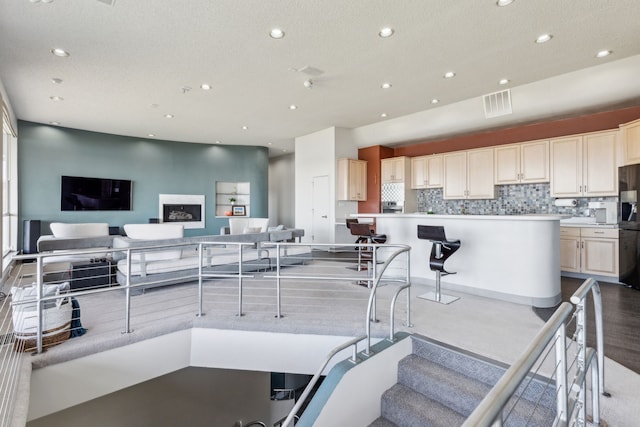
(95, 194)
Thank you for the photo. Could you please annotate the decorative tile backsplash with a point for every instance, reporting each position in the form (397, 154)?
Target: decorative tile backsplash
(516, 199)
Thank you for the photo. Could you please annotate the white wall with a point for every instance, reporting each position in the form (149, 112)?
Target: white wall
(189, 397)
(61, 386)
(281, 190)
(317, 155)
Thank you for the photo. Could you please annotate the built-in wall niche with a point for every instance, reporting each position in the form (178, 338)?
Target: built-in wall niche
(185, 209)
(230, 195)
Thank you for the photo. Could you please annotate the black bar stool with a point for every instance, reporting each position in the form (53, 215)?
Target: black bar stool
(441, 250)
(365, 235)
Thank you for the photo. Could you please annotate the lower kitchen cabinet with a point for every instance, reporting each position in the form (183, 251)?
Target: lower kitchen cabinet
(589, 250)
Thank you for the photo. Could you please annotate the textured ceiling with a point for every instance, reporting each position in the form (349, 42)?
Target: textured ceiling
(130, 62)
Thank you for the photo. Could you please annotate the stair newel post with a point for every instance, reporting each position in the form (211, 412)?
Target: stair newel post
(595, 396)
(597, 304)
(561, 374)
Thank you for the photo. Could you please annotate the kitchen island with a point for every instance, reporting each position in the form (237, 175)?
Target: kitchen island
(513, 257)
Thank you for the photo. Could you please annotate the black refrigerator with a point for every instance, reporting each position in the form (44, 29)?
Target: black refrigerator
(629, 250)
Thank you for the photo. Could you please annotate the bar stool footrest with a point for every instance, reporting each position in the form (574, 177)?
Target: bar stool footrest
(444, 299)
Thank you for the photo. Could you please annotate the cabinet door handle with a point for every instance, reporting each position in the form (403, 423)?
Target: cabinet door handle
(598, 232)
(582, 246)
(577, 244)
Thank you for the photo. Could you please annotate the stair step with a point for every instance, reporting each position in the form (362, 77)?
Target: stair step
(482, 369)
(473, 366)
(408, 408)
(444, 385)
(382, 422)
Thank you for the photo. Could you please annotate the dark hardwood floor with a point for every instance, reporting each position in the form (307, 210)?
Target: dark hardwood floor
(621, 320)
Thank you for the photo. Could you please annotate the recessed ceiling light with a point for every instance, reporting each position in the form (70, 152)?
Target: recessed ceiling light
(284, 150)
(383, 115)
(543, 38)
(435, 100)
(60, 52)
(218, 142)
(503, 81)
(386, 32)
(56, 98)
(54, 123)
(245, 127)
(269, 143)
(385, 85)
(603, 53)
(293, 107)
(449, 75)
(205, 86)
(168, 116)
(56, 80)
(151, 135)
(276, 33)
(502, 3)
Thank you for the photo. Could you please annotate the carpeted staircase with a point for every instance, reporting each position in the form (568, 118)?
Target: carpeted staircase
(439, 385)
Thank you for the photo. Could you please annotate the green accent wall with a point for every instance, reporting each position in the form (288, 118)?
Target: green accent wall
(45, 153)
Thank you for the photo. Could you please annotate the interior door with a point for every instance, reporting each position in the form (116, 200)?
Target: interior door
(320, 224)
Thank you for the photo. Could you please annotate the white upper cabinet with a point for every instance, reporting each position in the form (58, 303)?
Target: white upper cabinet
(631, 142)
(600, 168)
(584, 165)
(522, 163)
(394, 169)
(426, 171)
(352, 180)
(455, 175)
(469, 174)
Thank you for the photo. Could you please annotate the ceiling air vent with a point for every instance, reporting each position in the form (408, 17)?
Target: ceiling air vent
(497, 104)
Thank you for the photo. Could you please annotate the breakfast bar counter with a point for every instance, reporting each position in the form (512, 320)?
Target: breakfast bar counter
(512, 257)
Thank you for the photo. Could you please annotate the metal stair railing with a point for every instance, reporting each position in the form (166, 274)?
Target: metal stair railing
(40, 275)
(305, 394)
(377, 277)
(570, 395)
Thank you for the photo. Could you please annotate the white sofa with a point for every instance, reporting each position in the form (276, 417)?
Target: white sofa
(244, 225)
(71, 241)
(78, 237)
(248, 225)
(161, 266)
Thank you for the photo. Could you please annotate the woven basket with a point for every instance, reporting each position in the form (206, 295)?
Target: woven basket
(56, 325)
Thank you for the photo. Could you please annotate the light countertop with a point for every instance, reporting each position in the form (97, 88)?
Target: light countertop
(532, 217)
